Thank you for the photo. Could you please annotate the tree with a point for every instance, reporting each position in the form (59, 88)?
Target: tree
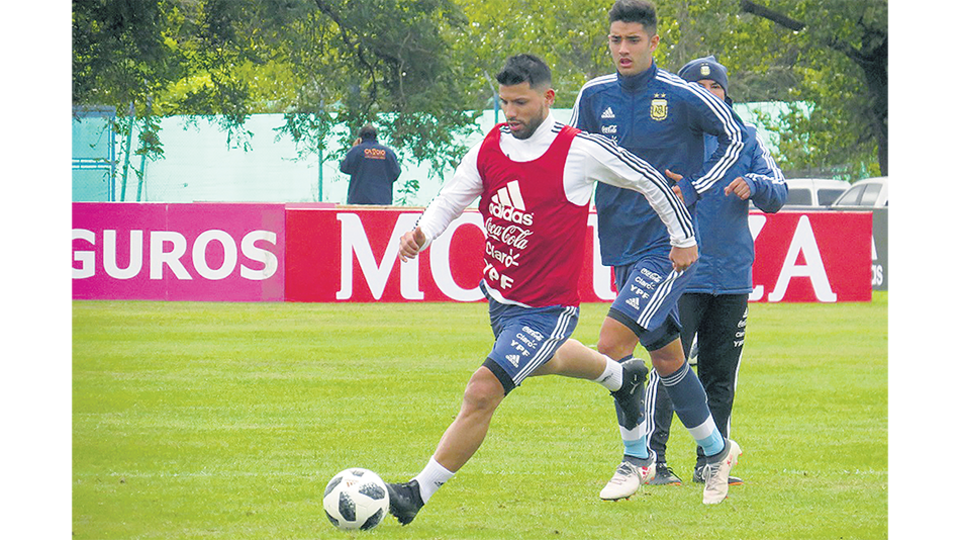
(843, 68)
(835, 121)
(569, 35)
(421, 69)
(320, 62)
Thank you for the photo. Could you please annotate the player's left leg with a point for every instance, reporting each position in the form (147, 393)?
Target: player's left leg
(459, 443)
(691, 307)
(526, 338)
(690, 404)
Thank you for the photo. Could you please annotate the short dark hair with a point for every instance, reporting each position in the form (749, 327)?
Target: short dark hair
(368, 132)
(635, 11)
(525, 68)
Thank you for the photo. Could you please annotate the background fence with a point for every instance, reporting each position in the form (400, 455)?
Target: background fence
(198, 165)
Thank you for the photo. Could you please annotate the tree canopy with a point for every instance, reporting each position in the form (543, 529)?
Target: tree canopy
(421, 69)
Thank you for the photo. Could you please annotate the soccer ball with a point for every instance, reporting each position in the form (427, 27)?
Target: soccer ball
(356, 499)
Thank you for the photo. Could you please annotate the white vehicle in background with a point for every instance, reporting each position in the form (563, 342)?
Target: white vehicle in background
(814, 192)
(864, 194)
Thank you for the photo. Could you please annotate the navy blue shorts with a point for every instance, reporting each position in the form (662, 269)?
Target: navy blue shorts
(647, 295)
(526, 338)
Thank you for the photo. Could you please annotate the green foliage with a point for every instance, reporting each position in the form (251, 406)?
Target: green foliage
(225, 420)
(570, 36)
(322, 63)
(837, 123)
(420, 69)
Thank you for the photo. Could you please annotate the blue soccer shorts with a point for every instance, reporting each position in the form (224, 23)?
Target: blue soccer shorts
(647, 295)
(526, 338)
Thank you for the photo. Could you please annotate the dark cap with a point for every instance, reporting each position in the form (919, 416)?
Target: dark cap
(705, 68)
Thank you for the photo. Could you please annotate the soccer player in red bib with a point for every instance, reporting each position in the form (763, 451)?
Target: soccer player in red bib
(534, 177)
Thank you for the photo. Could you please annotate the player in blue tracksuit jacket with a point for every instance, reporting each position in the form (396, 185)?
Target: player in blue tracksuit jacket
(714, 305)
(660, 118)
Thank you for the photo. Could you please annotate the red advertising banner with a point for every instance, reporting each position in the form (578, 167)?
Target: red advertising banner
(812, 257)
(212, 252)
(815, 257)
(351, 256)
(314, 253)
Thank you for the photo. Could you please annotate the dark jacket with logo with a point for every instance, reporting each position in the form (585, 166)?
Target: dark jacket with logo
(373, 168)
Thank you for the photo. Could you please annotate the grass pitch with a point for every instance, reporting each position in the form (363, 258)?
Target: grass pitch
(225, 421)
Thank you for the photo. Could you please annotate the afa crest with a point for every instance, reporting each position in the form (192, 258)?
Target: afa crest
(658, 107)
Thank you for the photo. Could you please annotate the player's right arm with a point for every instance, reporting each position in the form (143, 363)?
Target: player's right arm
(453, 199)
(604, 161)
(600, 160)
(411, 243)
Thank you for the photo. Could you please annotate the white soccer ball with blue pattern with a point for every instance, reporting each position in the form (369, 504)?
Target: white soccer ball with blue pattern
(356, 499)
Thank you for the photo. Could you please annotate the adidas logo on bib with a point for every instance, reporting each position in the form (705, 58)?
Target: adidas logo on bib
(508, 204)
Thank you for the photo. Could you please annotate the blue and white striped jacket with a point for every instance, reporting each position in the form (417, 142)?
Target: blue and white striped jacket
(723, 230)
(662, 119)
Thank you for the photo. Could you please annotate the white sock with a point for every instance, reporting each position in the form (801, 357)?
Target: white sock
(612, 377)
(431, 478)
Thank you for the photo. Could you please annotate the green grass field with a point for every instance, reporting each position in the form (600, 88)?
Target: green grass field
(225, 421)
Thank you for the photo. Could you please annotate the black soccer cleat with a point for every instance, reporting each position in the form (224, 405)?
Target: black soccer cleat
(698, 477)
(665, 476)
(630, 395)
(405, 501)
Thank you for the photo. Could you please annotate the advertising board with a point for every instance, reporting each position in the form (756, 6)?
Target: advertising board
(304, 253)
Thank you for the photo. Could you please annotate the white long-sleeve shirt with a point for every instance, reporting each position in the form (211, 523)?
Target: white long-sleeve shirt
(592, 158)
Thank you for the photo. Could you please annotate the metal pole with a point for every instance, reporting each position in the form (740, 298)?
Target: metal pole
(126, 154)
(320, 155)
(143, 157)
(320, 167)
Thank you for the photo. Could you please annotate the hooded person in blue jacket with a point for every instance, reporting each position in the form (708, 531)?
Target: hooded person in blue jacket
(373, 168)
(713, 308)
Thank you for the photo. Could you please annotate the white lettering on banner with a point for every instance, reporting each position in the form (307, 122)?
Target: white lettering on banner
(200, 254)
(440, 260)
(110, 255)
(87, 259)
(756, 223)
(876, 269)
(804, 241)
(353, 240)
(158, 257)
(251, 251)
(602, 275)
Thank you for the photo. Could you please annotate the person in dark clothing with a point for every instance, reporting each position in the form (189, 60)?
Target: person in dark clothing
(373, 168)
(713, 307)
